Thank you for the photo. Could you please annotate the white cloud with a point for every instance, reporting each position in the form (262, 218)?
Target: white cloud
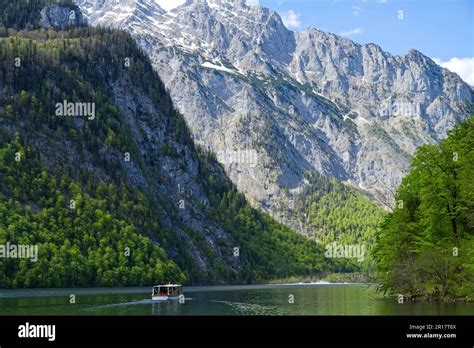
(464, 67)
(252, 2)
(355, 10)
(355, 31)
(382, 1)
(169, 4)
(292, 20)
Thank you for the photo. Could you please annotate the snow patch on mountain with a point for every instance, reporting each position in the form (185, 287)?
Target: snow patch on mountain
(170, 4)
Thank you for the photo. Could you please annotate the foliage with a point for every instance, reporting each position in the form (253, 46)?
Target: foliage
(267, 247)
(335, 213)
(425, 248)
(83, 244)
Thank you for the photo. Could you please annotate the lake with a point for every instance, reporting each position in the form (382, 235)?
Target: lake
(289, 299)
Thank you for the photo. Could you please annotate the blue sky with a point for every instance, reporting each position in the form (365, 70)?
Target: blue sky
(438, 28)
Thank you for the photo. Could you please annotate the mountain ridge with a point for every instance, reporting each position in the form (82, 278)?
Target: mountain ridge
(128, 175)
(302, 101)
(228, 62)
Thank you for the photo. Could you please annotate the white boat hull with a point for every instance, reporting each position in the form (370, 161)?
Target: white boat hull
(164, 298)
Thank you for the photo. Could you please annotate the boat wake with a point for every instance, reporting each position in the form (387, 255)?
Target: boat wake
(244, 308)
(121, 304)
(129, 303)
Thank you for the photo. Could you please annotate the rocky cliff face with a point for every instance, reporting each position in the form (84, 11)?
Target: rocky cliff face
(60, 17)
(274, 104)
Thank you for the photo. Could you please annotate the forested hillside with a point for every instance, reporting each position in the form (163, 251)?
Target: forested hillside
(84, 238)
(425, 248)
(335, 213)
(148, 207)
(338, 213)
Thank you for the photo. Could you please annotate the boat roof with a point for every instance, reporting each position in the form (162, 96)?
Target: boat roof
(167, 285)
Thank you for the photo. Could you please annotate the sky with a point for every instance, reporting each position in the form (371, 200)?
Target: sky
(440, 29)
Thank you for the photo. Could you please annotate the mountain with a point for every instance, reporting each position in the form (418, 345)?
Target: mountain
(100, 171)
(274, 104)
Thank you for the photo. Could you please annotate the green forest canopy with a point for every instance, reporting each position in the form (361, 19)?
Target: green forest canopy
(425, 248)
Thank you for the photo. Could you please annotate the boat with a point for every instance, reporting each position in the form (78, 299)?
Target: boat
(167, 292)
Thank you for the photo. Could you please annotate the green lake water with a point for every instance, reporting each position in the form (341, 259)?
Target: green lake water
(308, 299)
